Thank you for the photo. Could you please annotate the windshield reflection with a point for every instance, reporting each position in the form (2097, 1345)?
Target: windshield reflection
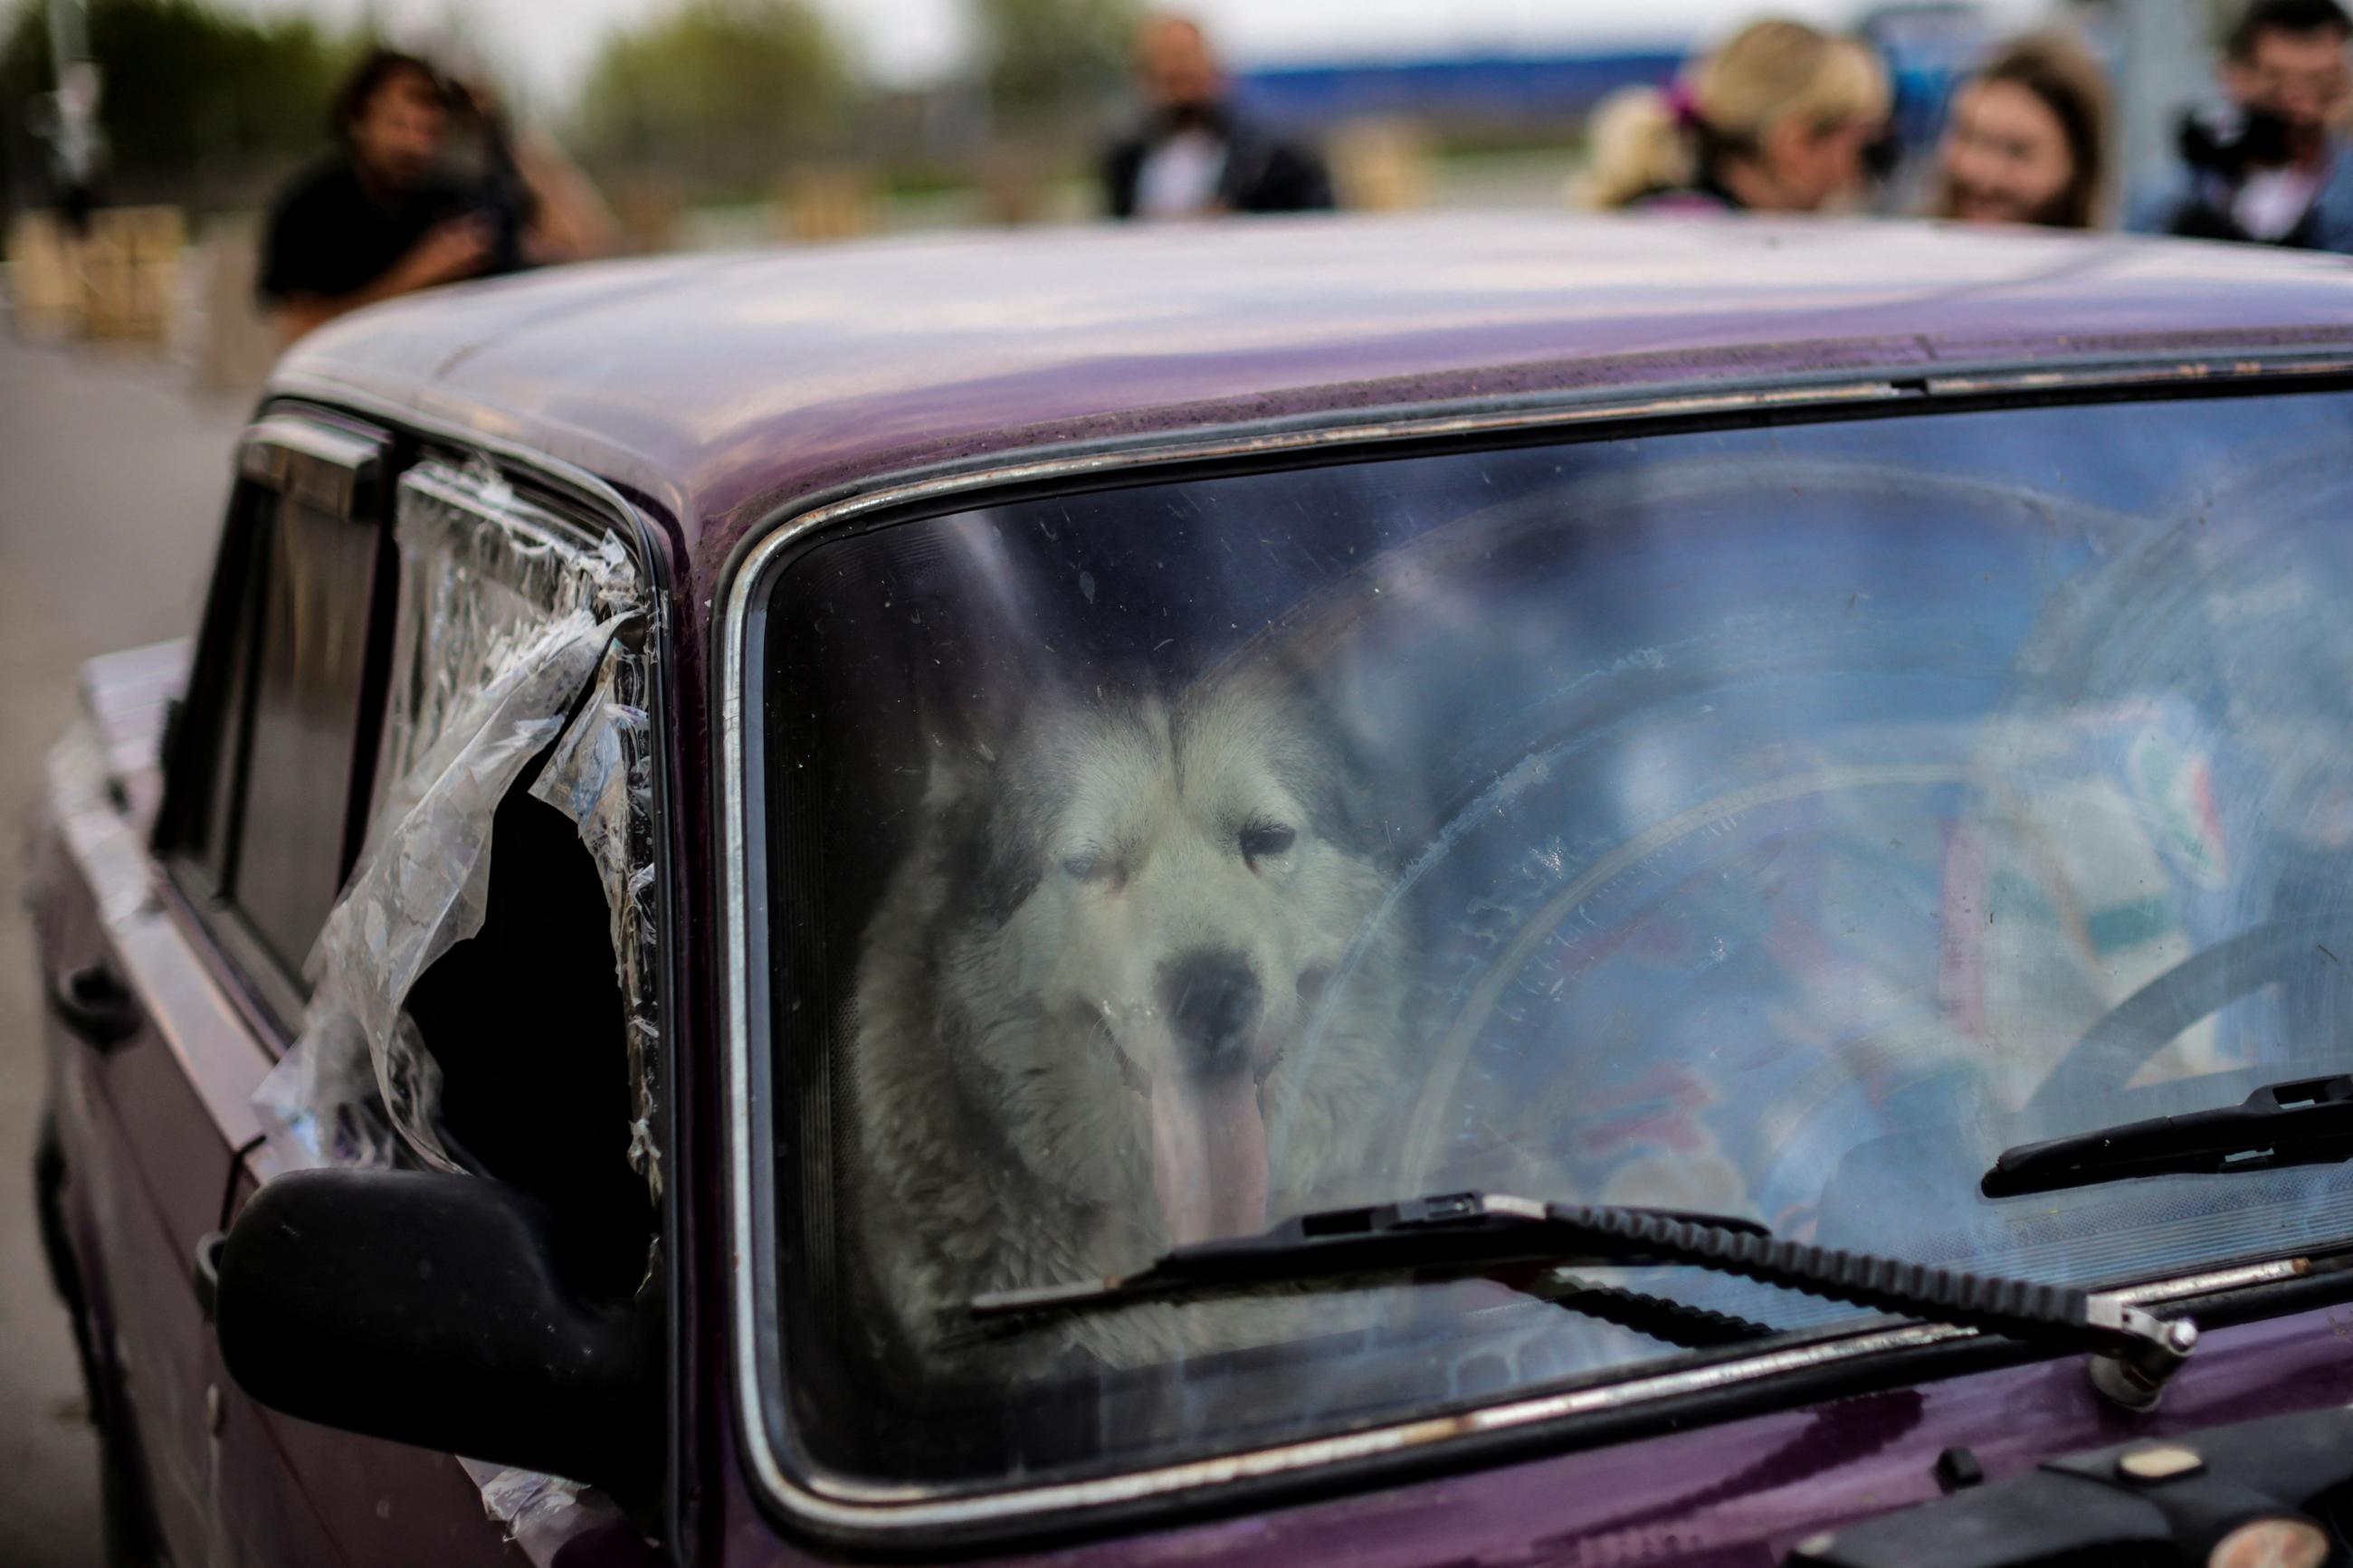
(1749, 821)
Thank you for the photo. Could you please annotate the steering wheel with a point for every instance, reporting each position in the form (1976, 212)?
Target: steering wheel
(1318, 633)
(2123, 1039)
(1426, 1134)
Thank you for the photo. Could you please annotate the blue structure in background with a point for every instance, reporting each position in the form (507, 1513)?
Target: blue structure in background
(1488, 89)
(1928, 50)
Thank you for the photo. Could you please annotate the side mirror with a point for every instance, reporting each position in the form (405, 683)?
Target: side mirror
(432, 1308)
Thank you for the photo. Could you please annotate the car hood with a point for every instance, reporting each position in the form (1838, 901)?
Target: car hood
(1664, 1483)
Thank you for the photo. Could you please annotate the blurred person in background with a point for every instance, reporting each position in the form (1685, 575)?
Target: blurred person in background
(1783, 118)
(2269, 162)
(1194, 156)
(2026, 139)
(390, 212)
(77, 147)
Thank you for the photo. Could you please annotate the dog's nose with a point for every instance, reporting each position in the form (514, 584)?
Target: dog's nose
(1212, 1000)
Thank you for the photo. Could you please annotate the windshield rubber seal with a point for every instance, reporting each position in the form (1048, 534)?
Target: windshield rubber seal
(1704, 1387)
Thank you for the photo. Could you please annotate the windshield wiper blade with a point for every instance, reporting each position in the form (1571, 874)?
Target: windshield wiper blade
(2305, 1121)
(1429, 1238)
(1458, 1235)
(1472, 1235)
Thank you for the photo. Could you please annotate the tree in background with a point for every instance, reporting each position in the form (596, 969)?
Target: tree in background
(201, 107)
(723, 91)
(1051, 62)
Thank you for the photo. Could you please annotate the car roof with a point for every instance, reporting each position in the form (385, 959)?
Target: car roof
(723, 386)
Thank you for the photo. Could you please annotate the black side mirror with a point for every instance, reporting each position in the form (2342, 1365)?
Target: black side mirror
(433, 1310)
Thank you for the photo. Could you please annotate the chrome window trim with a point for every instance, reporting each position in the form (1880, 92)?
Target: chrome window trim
(883, 1514)
(871, 1513)
(337, 471)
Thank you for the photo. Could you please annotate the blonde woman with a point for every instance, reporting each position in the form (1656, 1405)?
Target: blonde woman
(1778, 120)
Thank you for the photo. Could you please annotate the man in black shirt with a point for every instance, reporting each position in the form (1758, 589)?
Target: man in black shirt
(1194, 156)
(386, 216)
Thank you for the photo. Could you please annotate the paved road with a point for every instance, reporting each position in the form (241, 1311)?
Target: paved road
(112, 480)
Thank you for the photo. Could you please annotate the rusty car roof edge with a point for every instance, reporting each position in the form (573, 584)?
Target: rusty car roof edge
(709, 539)
(1077, 455)
(745, 378)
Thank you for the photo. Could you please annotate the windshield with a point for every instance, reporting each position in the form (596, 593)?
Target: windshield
(1751, 820)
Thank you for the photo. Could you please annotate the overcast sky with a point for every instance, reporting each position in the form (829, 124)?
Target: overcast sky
(546, 45)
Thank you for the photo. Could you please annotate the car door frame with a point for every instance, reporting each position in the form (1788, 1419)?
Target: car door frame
(591, 504)
(347, 468)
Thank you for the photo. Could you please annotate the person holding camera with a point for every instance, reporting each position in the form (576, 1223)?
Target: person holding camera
(389, 214)
(2269, 163)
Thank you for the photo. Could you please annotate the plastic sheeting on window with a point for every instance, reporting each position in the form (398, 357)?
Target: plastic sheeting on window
(601, 776)
(537, 1512)
(513, 638)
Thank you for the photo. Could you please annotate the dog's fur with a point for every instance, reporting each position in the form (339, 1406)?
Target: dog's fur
(1013, 995)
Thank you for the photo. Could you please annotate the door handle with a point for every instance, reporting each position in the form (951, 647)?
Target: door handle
(95, 1006)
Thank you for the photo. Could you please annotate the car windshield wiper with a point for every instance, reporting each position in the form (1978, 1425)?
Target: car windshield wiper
(2305, 1121)
(1472, 1235)
(1426, 1238)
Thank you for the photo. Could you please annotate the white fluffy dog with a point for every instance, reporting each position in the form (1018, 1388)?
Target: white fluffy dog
(1130, 986)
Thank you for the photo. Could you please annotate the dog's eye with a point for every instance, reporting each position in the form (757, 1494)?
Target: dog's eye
(1078, 868)
(1258, 843)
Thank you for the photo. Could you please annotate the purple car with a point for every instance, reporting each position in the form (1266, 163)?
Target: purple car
(1493, 891)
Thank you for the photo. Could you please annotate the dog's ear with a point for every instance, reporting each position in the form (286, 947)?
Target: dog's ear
(1385, 754)
(972, 707)
(994, 814)
(951, 774)
(991, 838)
(1359, 785)
(992, 854)
(967, 721)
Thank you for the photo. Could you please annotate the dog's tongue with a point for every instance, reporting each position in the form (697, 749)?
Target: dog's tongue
(1209, 1155)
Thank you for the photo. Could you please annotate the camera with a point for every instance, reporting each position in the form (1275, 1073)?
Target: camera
(2228, 138)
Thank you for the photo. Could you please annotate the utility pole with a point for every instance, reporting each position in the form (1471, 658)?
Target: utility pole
(69, 35)
(74, 137)
(2165, 67)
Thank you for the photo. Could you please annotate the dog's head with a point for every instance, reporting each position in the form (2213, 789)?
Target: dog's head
(1144, 902)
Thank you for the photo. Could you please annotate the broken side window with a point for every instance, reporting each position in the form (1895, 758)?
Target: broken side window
(483, 995)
